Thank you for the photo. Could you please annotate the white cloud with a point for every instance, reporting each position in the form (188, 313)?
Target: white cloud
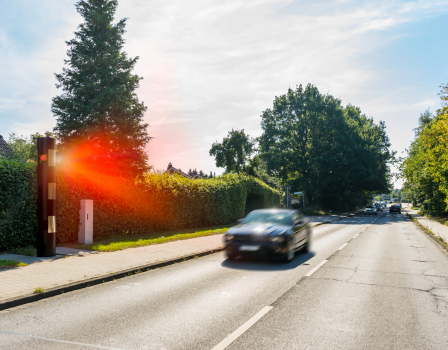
(210, 66)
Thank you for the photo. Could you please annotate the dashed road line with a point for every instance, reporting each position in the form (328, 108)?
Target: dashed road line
(356, 235)
(342, 247)
(316, 268)
(235, 335)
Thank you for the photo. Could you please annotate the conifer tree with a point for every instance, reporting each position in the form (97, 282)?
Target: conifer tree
(99, 106)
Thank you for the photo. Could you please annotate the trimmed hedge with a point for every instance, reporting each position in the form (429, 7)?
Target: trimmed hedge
(123, 206)
(18, 203)
(158, 202)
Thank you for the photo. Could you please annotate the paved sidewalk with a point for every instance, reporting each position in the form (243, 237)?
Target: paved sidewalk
(52, 273)
(434, 226)
(83, 266)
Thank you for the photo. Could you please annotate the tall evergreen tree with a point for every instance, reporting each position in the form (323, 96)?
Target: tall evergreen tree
(99, 106)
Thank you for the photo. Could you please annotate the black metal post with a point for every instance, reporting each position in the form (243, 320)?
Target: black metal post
(46, 196)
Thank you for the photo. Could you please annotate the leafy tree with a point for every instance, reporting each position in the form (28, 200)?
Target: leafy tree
(234, 152)
(425, 168)
(310, 141)
(99, 107)
(444, 95)
(25, 148)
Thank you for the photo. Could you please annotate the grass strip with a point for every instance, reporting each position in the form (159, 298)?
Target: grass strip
(8, 264)
(27, 251)
(120, 242)
(428, 231)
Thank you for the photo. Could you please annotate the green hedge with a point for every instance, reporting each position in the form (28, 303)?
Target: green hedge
(123, 206)
(18, 218)
(158, 202)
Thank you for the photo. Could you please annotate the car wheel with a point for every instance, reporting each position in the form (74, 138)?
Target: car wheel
(231, 256)
(289, 252)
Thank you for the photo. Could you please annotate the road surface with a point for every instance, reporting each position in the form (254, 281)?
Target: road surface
(369, 282)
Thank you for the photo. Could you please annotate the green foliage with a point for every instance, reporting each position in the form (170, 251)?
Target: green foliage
(332, 153)
(99, 106)
(25, 148)
(18, 197)
(123, 206)
(8, 264)
(234, 152)
(426, 167)
(158, 202)
(27, 251)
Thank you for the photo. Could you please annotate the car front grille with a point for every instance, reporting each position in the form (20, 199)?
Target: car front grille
(250, 238)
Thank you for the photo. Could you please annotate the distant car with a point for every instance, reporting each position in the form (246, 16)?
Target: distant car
(379, 207)
(271, 233)
(370, 210)
(395, 208)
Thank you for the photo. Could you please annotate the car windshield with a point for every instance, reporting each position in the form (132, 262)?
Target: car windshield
(280, 218)
(369, 206)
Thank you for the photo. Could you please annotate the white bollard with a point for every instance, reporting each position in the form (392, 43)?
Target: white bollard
(85, 233)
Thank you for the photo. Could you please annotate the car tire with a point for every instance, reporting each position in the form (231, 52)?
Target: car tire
(289, 256)
(231, 256)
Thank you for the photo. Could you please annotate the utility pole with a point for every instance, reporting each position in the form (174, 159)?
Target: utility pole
(288, 195)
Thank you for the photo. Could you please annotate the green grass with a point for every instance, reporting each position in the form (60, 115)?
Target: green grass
(120, 242)
(38, 291)
(428, 231)
(28, 251)
(8, 264)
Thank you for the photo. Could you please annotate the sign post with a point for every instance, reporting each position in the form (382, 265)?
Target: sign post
(303, 198)
(288, 195)
(46, 197)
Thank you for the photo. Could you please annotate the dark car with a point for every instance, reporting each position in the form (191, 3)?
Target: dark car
(271, 233)
(395, 208)
(379, 207)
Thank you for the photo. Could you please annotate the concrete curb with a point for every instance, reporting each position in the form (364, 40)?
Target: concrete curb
(428, 233)
(30, 298)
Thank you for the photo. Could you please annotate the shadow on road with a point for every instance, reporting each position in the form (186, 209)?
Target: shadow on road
(260, 264)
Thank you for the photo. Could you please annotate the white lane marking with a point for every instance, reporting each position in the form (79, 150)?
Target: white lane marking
(315, 269)
(342, 247)
(232, 337)
(356, 235)
(59, 341)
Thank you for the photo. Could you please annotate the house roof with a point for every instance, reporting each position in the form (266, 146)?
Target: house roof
(170, 169)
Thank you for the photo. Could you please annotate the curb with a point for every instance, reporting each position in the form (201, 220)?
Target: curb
(429, 233)
(30, 298)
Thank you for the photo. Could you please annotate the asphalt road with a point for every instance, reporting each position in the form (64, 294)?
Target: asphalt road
(387, 288)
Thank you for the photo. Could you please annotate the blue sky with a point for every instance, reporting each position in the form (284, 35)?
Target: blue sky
(210, 66)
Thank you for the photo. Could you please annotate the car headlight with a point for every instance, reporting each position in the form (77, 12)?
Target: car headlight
(228, 237)
(276, 239)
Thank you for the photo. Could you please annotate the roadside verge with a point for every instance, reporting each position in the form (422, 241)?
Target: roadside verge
(19, 283)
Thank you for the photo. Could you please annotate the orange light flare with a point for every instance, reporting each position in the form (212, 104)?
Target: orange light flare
(93, 167)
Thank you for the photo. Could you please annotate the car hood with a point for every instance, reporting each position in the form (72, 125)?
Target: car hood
(257, 228)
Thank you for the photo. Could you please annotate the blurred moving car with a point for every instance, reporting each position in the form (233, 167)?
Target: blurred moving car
(370, 210)
(395, 208)
(379, 207)
(272, 233)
